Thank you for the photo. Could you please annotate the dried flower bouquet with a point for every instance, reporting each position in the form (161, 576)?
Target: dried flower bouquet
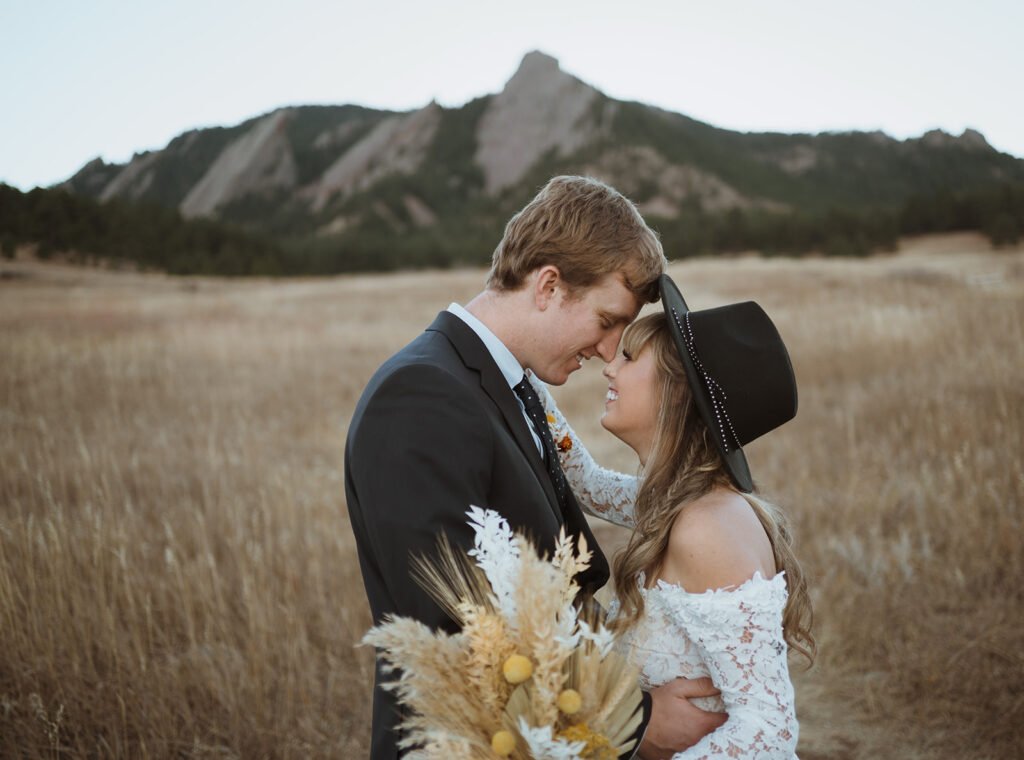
(531, 674)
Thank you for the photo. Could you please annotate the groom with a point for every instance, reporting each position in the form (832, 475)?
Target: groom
(442, 424)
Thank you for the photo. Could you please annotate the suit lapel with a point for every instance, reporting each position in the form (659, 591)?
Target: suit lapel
(475, 355)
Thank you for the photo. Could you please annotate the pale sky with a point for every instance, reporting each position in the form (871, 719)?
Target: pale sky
(80, 79)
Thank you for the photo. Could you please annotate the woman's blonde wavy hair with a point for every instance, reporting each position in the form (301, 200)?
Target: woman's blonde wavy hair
(682, 466)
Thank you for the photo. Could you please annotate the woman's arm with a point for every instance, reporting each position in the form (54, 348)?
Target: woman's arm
(601, 492)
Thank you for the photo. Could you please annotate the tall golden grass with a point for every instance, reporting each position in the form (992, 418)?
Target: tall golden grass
(178, 577)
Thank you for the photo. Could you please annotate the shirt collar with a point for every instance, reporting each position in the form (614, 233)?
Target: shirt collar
(509, 365)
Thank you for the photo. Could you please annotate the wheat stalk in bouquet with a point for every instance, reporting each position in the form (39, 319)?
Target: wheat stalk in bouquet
(531, 674)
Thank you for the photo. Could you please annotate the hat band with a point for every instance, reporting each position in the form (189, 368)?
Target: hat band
(715, 391)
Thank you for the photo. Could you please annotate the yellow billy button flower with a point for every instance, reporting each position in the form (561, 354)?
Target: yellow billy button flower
(551, 419)
(503, 743)
(570, 701)
(517, 668)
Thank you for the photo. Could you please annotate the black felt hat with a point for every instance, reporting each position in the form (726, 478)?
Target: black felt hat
(739, 372)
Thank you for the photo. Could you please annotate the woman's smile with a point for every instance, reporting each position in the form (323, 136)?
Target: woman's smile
(633, 415)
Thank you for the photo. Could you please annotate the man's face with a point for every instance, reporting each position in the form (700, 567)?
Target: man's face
(583, 327)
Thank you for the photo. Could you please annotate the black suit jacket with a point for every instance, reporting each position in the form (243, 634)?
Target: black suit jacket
(436, 430)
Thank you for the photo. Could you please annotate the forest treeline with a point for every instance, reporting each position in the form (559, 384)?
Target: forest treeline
(998, 212)
(153, 237)
(149, 236)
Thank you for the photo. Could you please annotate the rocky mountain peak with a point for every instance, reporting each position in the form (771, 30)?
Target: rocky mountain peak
(969, 138)
(536, 64)
(975, 139)
(541, 108)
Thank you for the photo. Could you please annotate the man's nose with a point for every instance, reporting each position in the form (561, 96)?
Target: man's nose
(609, 344)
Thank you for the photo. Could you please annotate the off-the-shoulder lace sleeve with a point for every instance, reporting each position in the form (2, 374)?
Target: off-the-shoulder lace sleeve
(739, 635)
(601, 492)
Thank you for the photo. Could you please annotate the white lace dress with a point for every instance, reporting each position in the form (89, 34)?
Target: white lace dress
(733, 635)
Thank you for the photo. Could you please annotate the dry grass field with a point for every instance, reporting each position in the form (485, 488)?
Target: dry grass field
(178, 577)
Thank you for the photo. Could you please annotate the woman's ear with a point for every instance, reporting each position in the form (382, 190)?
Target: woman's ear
(546, 282)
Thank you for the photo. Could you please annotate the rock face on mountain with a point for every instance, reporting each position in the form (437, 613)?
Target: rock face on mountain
(258, 161)
(133, 182)
(395, 146)
(970, 138)
(541, 108)
(665, 187)
(326, 171)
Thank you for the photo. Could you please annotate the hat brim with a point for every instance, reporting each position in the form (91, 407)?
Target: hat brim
(733, 458)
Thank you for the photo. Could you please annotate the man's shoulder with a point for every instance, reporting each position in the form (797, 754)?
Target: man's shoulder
(431, 362)
(430, 352)
(417, 388)
(448, 344)
(417, 371)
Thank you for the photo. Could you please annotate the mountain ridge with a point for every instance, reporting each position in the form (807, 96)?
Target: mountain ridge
(353, 177)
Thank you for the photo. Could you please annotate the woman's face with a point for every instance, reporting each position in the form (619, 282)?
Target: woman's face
(631, 405)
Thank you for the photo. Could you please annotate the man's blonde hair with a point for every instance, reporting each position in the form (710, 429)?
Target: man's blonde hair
(586, 229)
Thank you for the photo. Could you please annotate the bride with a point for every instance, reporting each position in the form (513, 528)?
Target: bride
(708, 584)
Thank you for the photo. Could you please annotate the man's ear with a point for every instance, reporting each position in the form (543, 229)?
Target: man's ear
(546, 282)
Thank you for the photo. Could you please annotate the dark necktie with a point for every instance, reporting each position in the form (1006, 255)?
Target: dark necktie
(535, 411)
